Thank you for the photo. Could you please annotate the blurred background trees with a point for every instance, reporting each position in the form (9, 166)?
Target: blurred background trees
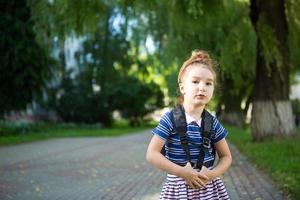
(88, 59)
(25, 64)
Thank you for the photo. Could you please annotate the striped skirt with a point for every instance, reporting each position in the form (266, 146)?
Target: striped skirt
(176, 188)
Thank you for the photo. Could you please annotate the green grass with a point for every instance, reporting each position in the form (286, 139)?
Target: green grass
(280, 158)
(58, 131)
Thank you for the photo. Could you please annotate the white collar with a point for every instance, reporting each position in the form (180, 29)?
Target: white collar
(190, 119)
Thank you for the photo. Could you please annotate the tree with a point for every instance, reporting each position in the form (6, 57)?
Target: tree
(113, 35)
(79, 103)
(272, 113)
(134, 99)
(24, 64)
(221, 27)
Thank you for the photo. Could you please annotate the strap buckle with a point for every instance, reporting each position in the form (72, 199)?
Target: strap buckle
(196, 167)
(206, 142)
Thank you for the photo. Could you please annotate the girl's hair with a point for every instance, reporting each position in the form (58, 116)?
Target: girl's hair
(197, 57)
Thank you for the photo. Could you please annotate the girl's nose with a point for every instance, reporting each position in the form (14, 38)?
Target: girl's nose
(201, 86)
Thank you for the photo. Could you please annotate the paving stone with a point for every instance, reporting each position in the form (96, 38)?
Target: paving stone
(106, 168)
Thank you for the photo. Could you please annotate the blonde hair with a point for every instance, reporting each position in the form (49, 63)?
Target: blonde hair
(197, 57)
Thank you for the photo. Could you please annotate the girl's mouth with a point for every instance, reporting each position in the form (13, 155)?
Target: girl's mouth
(200, 95)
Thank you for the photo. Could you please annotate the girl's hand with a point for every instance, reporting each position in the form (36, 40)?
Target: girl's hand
(193, 178)
(206, 173)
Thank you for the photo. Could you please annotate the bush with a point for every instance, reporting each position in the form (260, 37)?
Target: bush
(296, 110)
(17, 128)
(79, 107)
(134, 99)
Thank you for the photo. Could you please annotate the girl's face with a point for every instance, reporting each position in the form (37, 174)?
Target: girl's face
(197, 85)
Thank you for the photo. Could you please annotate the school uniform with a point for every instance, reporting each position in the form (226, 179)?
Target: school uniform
(175, 187)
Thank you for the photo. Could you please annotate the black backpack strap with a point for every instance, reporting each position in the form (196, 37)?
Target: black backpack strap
(206, 131)
(180, 126)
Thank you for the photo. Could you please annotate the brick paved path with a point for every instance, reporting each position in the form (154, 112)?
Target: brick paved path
(244, 181)
(104, 168)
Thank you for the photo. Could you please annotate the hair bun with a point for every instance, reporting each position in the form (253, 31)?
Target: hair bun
(200, 56)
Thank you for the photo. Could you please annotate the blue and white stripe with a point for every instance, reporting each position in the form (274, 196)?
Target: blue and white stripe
(176, 188)
(174, 150)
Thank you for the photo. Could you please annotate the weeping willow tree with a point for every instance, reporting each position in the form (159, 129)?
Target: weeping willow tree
(220, 27)
(225, 29)
(56, 21)
(272, 112)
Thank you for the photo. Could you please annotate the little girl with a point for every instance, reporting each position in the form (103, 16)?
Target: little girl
(196, 79)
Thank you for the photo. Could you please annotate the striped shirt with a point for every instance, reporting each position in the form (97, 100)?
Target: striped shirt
(174, 150)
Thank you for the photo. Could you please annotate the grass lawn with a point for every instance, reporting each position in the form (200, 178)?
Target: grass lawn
(280, 158)
(73, 131)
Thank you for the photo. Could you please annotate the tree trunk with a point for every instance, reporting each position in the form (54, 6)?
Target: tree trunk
(271, 119)
(272, 113)
(62, 59)
(106, 67)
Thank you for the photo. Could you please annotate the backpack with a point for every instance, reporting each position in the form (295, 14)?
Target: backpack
(180, 125)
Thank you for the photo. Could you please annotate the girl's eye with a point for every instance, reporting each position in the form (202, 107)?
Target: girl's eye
(195, 81)
(209, 83)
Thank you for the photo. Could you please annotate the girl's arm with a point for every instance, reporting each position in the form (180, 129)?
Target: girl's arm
(193, 178)
(224, 162)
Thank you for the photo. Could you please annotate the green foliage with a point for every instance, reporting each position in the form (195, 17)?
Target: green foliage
(47, 131)
(114, 34)
(135, 99)
(173, 89)
(24, 64)
(211, 26)
(16, 128)
(24, 128)
(279, 158)
(270, 45)
(78, 103)
(237, 58)
(296, 106)
(65, 17)
(104, 61)
(293, 18)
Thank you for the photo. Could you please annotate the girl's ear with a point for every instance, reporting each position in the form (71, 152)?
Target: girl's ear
(181, 88)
